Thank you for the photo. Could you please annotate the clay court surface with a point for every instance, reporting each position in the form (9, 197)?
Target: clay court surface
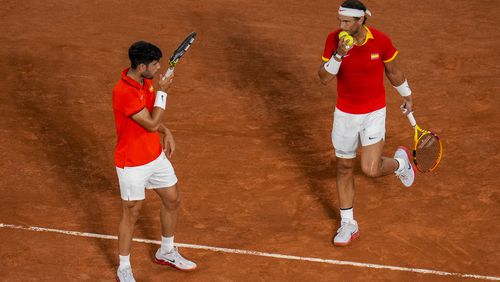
(252, 124)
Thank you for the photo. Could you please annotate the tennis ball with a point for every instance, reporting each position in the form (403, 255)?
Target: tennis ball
(347, 38)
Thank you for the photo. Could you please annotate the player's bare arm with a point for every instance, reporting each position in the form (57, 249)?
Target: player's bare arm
(151, 121)
(168, 141)
(324, 76)
(328, 70)
(398, 80)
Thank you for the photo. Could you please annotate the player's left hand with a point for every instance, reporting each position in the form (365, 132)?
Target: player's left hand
(168, 143)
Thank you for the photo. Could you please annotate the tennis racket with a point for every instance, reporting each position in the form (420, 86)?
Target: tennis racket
(427, 150)
(178, 53)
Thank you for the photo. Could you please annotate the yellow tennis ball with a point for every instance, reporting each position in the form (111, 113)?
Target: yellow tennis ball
(343, 33)
(348, 39)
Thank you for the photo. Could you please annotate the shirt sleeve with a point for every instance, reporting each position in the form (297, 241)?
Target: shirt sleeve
(128, 102)
(389, 52)
(330, 46)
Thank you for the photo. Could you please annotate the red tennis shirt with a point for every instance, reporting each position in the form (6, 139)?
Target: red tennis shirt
(135, 146)
(360, 80)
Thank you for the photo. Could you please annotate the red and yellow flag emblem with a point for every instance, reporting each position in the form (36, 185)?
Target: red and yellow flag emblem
(375, 56)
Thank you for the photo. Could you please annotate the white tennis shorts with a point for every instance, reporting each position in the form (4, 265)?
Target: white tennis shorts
(349, 129)
(156, 174)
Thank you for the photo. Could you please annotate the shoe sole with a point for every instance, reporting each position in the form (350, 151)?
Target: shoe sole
(410, 159)
(353, 237)
(162, 262)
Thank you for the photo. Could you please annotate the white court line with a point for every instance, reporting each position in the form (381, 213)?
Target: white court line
(256, 253)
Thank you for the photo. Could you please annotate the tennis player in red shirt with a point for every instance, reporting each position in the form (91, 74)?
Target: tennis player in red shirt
(140, 158)
(360, 112)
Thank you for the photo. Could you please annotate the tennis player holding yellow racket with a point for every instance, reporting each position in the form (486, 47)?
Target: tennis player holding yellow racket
(358, 56)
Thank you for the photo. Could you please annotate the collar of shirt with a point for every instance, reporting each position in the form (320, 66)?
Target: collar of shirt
(130, 80)
(369, 35)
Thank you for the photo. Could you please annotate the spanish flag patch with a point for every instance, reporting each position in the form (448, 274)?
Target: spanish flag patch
(375, 56)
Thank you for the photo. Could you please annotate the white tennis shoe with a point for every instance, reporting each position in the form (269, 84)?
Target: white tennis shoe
(174, 259)
(407, 173)
(347, 232)
(125, 275)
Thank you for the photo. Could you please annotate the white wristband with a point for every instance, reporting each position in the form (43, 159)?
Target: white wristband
(161, 99)
(403, 89)
(332, 66)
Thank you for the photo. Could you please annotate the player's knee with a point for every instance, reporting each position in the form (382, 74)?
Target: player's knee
(371, 170)
(345, 167)
(172, 204)
(132, 211)
(134, 215)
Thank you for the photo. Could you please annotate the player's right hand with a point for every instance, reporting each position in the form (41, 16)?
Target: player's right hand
(343, 47)
(165, 81)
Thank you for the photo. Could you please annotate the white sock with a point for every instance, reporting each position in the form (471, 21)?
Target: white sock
(124, 262)
(401, 164)
(347, 215)
(167, 244)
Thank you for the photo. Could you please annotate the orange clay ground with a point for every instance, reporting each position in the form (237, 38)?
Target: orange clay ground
(252, 124)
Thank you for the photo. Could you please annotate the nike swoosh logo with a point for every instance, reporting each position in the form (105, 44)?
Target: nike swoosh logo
(172, 261)
(371, 138)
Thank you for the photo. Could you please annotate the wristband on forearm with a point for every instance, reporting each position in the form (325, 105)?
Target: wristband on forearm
(332, 66)
(403, 89)
(161, 99)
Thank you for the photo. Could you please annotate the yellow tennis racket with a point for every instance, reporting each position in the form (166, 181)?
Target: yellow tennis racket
(427, 150)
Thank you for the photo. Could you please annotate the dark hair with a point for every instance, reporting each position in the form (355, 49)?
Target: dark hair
(142, 52)
(355, 4)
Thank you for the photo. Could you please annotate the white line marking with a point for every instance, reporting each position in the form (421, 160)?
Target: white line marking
(256, 253)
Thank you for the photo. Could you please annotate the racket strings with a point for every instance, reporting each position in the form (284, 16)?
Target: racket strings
(428, 151)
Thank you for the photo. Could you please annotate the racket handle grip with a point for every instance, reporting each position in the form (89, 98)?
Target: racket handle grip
(169, 72)
(411, 118)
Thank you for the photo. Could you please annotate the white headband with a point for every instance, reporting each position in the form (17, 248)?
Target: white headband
(353, 12)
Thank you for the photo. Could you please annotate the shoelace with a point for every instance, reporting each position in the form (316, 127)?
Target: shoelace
(402, 174)
(342, 227)
(402, 177)
(176, 253)
(127, 274)
(179, 257)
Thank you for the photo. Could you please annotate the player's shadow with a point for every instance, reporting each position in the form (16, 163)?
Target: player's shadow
(73, 151)
(259, 66)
